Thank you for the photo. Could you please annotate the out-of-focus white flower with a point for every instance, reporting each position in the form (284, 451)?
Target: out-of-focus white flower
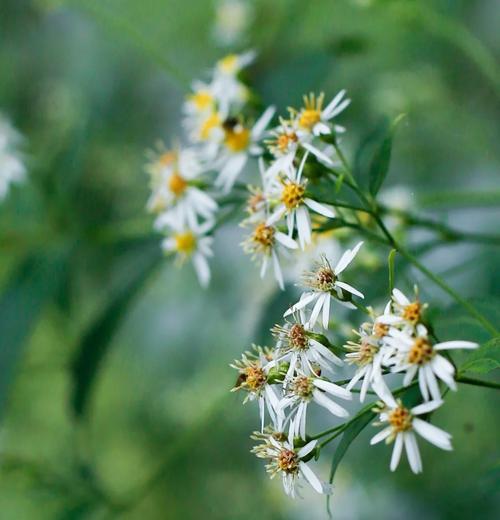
(312, 118)
(175, 197)
(288, 461)
(12, 168)
(201, 100)
(303, 389)
(232, 19)
(253, 368)
(290, 193)
(193, 244)
(238, 144)
(402, 425)
(265, 242)
(322, 282)
(415, 354)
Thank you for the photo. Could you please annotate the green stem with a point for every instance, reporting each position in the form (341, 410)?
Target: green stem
(477, 382)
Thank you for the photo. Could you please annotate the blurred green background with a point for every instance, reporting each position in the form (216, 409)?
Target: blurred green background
(114, 370)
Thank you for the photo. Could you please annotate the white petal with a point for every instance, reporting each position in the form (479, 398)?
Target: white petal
(426, 407)
(332, 388)
(396, 452)
(286, 240)
(317, 308)
(349, 288)
(325, 352)
(305, 450)
(303, 226)
(431, 433)
(446, 345)
(332, 407)
(319, 208)
(202, 269)
(277, 271)
(432, 383)
(412, 452)
(326, 312)
(380, 436)
(318, 153)
(305, 300)
(262, 122)
(311, 477)
(400, 297)
(347, 258)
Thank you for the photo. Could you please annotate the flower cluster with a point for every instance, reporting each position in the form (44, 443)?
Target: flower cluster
(12, 168)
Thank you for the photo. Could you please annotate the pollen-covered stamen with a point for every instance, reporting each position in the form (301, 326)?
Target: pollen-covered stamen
(400, 419)
(255, 201)
(292, 195)
(421, 352)
(380, 330)
(263, 236)
(303, 387)
(288, 461)
(177, 184)
(412, 312)
(325, 278)
(310, 115)
(366, 352)
(254, 377)
(185, 243)
(297, 337)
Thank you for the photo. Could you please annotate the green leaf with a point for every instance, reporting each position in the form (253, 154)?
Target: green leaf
(391, 258)
(372, 158)
(34, 283)
(485, 359)
(143, 260)
(349, 435)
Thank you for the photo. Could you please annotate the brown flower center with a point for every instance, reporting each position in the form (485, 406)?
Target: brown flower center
(255, 377)
(400, 419)
(288, 461)
(325, 278)
(412, 312)
(264, 235)
(302, 386)
(380, 329)
(421, 352)
(297, 337)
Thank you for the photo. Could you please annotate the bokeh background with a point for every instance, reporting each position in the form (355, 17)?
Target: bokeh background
(114, 372)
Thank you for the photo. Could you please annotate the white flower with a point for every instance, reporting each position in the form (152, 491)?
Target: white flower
(323, 282)
(12, 169)
(174, 196)
(302, 390)
(301, 347)
(284, 458)
(265, 242)
(201, 101)
(314, 119)
(402, 424)
(290, 193)
(417, 355)
(254, 378)
(368, 353)
(402, 312)
(238, 144)
(285, 141)
(232, 19)
(193, 244)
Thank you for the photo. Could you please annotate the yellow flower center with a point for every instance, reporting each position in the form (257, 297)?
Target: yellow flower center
(288, 461)
(366, 353)
(293, 195)
(185, 242)
(237, 138)
(264, 235)
(177, 184)
(421, 352)
(254, 377)
(202, 100)
(228, 64)
(211, 122)
(167, 158)
(283, 141)
(400, 419)
(303, 387)
(380, 329)
(311, 113)
(412, 312)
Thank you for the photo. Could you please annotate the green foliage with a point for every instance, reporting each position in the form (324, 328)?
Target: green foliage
(485, 359)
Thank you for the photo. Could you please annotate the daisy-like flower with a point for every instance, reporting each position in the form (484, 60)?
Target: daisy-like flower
(284, 143)
(416, 355)
(175, 197)
(402, 425)
(323, 284)
(290, 193)
(289, 461)
(238, 144)
(368, 354)
(226, 85)
(304, 389)
(201, 100)
(299, 345)
(193, 244)
(12, 169)
(264, 243)
(256, 380)
(313, 119)
(405, 312)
